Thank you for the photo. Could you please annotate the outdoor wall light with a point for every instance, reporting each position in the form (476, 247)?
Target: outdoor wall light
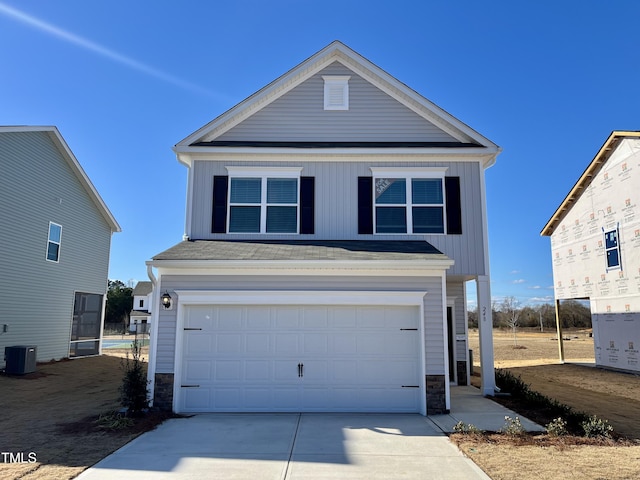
(166, 300)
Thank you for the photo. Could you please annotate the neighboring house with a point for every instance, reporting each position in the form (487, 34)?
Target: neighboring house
(333, 220)
(141, 313)
(55, 232)
(595, 245)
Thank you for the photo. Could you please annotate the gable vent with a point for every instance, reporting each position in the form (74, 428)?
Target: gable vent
(336, 92)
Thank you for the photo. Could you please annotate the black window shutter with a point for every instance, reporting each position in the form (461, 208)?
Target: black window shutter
(365, 205)
(307, 204)
(219, 213)
(454, 205)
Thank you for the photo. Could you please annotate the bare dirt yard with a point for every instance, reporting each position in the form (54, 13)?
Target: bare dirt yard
(609, 395)
(49, 418)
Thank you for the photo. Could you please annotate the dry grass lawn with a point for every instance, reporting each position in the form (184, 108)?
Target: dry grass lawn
(610, 395)
(50, 413)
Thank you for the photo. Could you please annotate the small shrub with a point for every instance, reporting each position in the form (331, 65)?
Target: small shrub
(134, 394)
(557, 427)
(512, 427)
(466, 428)
(114, 421)
(595, 427)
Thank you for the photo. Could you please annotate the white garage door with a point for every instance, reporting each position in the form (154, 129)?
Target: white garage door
(300, 358)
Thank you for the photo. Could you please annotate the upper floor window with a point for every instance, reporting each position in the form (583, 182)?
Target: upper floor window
(263, 202)
(53, 244)
(612, 248)
(410, 202)
(336, 92)
(141, 304)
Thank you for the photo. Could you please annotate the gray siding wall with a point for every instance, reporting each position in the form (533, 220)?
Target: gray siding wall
(372, 116)
(165, 352)
(336, 206)
(457, 291)
(36, 187)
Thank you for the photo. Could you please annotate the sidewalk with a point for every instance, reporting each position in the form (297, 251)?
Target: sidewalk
(469, 406)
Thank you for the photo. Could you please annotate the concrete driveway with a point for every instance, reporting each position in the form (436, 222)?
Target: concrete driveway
(290, 447)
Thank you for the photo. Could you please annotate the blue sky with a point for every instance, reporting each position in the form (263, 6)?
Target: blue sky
(124, 81)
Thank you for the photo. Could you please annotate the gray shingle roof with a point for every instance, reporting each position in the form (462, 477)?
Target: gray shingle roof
(297, 250)
(143, 288)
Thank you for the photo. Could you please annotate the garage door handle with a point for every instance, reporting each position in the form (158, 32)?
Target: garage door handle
(412, 329)
(187, 328)
(300, 370)
(410, 386)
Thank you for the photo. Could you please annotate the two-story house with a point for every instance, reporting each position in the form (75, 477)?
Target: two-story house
(595, 246)
(55, 232)
(333, 219)
(141, 312)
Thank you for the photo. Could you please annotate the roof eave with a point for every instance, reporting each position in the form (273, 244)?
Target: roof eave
(585, 179)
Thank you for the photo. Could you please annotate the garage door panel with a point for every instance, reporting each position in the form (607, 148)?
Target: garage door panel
(315, 317)
(230, 343)
(258, 370)
(258, 318)
(352, 359)
(200, 317)
(197, 370)
(199, 345)
(287, 343)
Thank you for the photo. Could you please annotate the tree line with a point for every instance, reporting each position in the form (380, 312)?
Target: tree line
(509, 314)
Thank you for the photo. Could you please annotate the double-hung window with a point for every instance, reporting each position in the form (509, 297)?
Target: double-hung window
(410, 202)
(53, 244)
(265, 201)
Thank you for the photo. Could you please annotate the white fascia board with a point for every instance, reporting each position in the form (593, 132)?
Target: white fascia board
(404, 268)
(300, 297)
(187, 155)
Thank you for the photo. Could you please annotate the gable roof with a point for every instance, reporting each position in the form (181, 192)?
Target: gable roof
(75, 166)
(143, 288)
(587, 177)
(337, 52)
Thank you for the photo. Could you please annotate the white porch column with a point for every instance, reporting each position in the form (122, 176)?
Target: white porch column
(485, 329)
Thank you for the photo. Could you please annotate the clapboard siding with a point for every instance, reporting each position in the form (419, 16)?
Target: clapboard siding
(337, 206)
(434, 314)
(165, 352)
(38, 186)
(456, 290)
(299, 115)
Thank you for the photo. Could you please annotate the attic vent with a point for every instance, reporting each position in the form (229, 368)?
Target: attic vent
(336, 92)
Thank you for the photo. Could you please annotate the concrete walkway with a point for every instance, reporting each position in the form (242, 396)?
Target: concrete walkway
(469, 406)
(292, 446)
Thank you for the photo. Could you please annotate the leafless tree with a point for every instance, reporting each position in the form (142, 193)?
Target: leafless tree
(509, 308)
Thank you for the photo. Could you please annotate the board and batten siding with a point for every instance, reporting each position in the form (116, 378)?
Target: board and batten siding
(165, 352)
(37, 186)
(336, 206)
(299, 115)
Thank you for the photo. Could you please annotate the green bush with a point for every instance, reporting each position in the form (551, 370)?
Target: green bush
(595, 427)
(467, 428)
(512, 426)
(134, 394)
(557, 427)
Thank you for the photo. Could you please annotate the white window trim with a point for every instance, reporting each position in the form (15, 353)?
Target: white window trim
(408, 174)
(46, 253)
(617, 247)
(264, 173)
(331, 82)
